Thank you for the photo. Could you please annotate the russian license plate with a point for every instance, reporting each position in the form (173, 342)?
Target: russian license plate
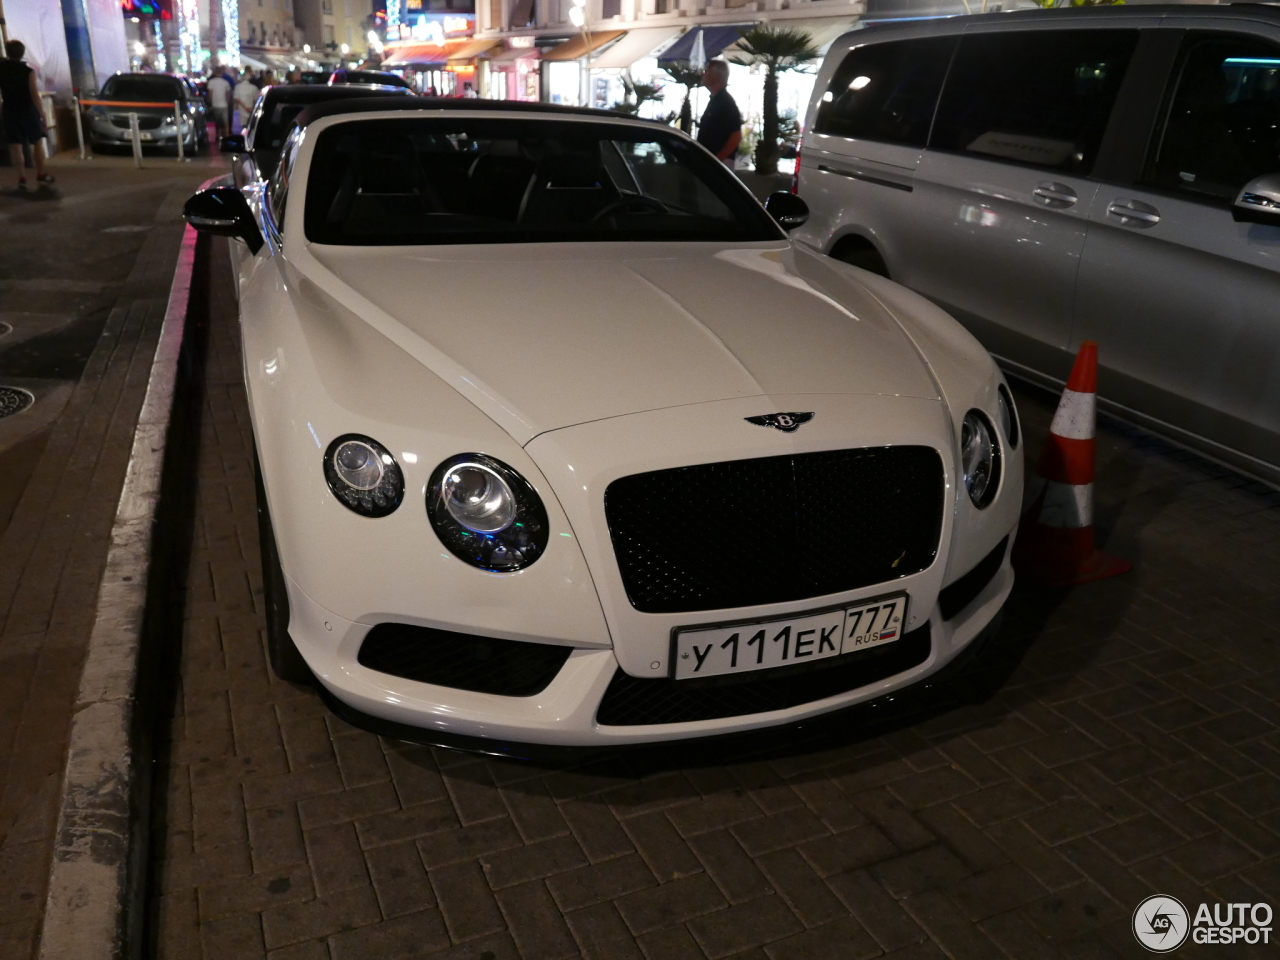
(761, 644)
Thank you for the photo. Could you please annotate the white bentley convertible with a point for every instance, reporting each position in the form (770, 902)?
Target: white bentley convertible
(562, 441)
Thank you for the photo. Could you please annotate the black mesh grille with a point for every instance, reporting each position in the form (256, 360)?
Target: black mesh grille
(512, 668)
(630, 701)
(774, 529)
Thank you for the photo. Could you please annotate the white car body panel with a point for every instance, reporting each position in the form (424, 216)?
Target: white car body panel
(578, 364)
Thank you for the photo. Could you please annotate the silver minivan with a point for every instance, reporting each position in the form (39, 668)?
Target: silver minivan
(1055, 176)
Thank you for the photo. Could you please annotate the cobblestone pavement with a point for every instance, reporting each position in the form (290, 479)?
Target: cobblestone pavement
(81, 303)
(1127, 745)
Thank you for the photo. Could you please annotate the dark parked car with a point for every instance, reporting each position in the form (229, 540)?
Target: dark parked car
(108, 127)
(259, 147)
(377, 77)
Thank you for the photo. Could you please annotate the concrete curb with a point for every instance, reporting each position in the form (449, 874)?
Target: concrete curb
(97, 867)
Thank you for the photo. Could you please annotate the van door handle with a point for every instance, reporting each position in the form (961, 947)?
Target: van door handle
(1053, 194)
(1134, 213)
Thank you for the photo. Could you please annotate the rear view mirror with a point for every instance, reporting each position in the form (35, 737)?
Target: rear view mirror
(232, 144)
(223, 211)
(1259, 201)
(788, 209)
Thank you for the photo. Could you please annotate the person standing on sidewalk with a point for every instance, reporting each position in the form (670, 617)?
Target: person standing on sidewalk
(20, 101)
(220, 101)
(246, 95)
(720, 129)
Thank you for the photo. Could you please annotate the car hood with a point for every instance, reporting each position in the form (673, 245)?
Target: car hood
(545, 336)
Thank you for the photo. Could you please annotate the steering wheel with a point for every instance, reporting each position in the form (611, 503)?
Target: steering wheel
(647, 204)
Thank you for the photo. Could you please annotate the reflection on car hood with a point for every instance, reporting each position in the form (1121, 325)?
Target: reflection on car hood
(544, 336)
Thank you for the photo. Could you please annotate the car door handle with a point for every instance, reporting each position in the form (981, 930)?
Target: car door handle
(1134, 213)
(1053, 194)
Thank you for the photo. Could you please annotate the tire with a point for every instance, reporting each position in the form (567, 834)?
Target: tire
(286, 661)
(860, 253)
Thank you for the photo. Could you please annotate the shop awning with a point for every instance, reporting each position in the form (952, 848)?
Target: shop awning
(714, 39)
(472, 49)
(822, 30)
(575, 48)
(404, 54)
(636, 45)
(512, 54)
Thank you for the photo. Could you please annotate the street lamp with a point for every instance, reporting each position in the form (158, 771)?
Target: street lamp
(578, 17)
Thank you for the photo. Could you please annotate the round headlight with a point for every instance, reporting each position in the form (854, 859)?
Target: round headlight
(478, 498)
(980, 457)
(363, 475)
(1008, 416)
(486, 513)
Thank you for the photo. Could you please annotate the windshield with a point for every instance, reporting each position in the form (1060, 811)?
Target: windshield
(142, 89)
(485, 180)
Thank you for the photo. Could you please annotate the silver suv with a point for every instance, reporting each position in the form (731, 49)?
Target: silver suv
(1054, 176)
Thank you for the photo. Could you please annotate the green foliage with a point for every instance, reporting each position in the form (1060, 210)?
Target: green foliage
(638, 94)
(776, 49)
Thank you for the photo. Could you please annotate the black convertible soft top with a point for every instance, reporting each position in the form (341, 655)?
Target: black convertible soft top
(365, 105)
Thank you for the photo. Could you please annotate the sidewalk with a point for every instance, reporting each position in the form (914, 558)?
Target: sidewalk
(84, 278)
(1128, 744)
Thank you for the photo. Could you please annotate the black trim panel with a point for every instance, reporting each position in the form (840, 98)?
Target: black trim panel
(852, 175)
(956, 596)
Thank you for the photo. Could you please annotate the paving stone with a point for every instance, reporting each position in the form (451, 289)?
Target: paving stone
(675, 902)
(663, 849)
(601, 881)
(735, 873)
(761, 921)
(335, 857)
(904, 830)
(334, 913)
(925, 869)
(535, 922)
(596, 830)
(848, 851)
(392, 825)
(934, 912)
(243, 895)
(399, 879)
(535, 861)
(445, 843)
(402, 937)
(995, 891)
(601, 934)
(466, 902)
(879, 914)
(842, 939)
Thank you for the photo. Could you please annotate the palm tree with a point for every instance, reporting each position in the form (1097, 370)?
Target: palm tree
(683, 74)
(778, 48)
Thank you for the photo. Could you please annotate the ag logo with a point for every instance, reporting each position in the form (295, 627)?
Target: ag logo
(786, 422)
(1161, 923)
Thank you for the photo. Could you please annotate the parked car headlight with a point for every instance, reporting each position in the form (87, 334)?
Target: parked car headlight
(363, 475)
(486, 513)
(1008, 416)
(980, 456)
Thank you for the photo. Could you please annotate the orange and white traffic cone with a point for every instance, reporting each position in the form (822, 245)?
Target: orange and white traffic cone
(1055, 544)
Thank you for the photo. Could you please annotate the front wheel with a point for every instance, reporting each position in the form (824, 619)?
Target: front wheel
(286, 661)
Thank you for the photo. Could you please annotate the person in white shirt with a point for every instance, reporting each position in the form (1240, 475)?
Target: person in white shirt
(246, 95)
(220, 102)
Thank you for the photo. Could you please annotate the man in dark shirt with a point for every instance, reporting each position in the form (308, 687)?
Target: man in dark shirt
(20, 106)
(720, 129)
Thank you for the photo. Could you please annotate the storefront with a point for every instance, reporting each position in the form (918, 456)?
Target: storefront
(513, 73)
(564, 70)
(429, 44)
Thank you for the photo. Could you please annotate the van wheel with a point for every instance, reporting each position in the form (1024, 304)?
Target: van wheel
(286, 661)
(859, 252)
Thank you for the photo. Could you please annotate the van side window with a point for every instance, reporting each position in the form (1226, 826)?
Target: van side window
(886, 91)
(1035, 97)
(1220, 125)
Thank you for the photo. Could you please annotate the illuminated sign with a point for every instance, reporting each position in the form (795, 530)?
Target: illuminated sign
(148, 9)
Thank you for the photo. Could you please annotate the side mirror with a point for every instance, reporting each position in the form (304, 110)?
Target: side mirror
(232, 144)
(1259, 201)
(788, 209)
(223, 211)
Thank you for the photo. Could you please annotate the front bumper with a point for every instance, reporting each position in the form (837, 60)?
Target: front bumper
(564, 714)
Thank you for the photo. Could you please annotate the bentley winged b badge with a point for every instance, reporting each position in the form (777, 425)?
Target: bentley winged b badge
(786, 422)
